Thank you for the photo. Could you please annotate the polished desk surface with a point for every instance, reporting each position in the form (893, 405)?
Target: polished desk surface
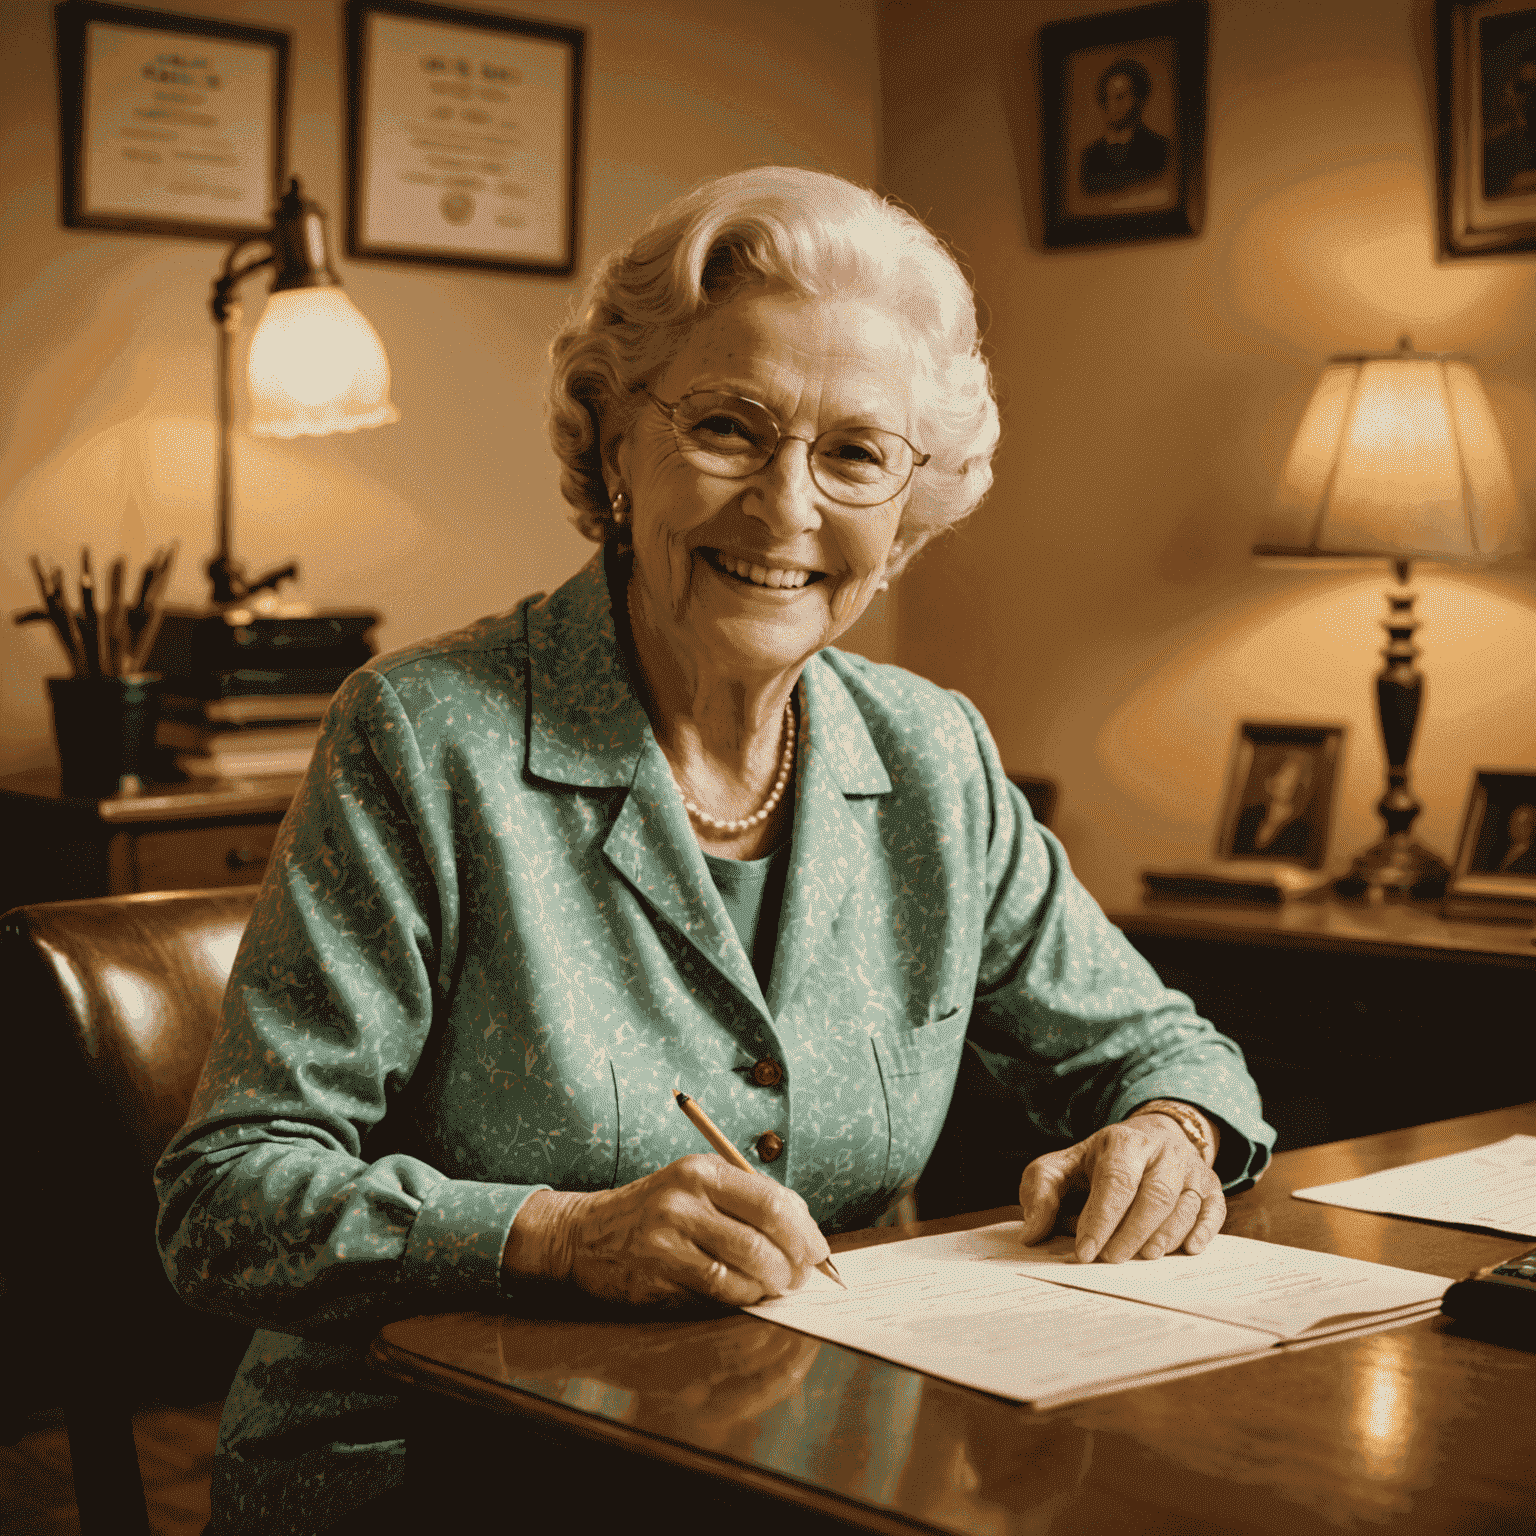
(1415, 1430)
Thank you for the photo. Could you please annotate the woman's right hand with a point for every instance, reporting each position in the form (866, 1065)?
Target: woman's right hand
(697, 1227)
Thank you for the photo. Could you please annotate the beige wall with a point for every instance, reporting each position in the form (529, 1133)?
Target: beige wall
(1102, 608)
(107, 351)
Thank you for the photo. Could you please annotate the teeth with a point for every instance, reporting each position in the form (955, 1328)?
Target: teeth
(764, 576)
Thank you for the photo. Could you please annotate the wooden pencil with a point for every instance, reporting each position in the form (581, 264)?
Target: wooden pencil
(717, 1139)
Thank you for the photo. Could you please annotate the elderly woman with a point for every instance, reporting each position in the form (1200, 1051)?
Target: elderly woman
(651, 832)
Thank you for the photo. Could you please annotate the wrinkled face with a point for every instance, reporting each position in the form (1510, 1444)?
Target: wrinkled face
(1121, 108)
(754, 576)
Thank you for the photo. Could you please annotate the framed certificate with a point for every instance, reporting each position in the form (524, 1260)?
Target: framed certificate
(170, 125)
(463, 137)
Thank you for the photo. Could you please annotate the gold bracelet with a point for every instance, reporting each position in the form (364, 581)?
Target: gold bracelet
(1187, 1118)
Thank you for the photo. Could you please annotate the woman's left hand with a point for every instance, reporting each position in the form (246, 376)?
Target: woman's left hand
(1149, 1192)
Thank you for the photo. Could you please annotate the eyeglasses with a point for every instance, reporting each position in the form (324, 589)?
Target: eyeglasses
(731, 437)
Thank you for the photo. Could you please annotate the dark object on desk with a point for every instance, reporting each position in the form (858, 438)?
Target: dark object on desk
(1041, 794)
(113, 1003)
(1354, 1019)
(215, 648)
(104, 728)
(1498, 1301)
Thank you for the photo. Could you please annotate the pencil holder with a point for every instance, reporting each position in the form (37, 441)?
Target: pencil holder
(105, 729)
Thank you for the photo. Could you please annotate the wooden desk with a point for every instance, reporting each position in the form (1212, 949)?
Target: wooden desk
(1354, 1019)
(197, 835)
(733, 1425)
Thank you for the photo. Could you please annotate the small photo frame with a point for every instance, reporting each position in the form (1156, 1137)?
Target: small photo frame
(464, 133)
(1280, 792)
(1122, 133)
(169, 124)
(1485, 55)
(1496, 855)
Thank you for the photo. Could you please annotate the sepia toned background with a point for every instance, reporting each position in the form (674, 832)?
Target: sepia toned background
(1102, 608)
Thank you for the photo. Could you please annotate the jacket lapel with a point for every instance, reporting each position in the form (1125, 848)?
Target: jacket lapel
(833, 839)
(587, 729)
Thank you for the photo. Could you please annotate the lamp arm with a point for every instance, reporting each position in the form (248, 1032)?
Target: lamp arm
(226, 573)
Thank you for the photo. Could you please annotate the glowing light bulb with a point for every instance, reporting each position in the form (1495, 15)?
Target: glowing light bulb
(316, 366)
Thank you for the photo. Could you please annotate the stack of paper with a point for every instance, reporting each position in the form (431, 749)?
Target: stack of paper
(1492, 1187)
(1035, 1325)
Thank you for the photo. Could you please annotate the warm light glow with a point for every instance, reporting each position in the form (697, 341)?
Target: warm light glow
(1397, 456)
(316, 367)
(1382, 1420)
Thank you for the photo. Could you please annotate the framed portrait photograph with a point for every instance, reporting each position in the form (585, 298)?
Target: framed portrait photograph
(169, 124)
(464, 135)
(1280, 788)
(1494, 875)
(1122, 132)
(1486, 107)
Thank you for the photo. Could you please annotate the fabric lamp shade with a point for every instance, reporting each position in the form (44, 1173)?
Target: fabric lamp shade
(1397, 457)
(316, 366)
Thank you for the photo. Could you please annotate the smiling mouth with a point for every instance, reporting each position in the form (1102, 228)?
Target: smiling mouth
(778, 578)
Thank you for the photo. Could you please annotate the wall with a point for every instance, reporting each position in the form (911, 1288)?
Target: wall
(106, 409)
(1102, 608)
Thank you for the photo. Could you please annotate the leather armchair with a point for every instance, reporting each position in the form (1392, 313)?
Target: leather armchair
(110, 1005)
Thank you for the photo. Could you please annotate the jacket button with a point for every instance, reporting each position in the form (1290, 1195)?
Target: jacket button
(769, 1146)
(767, 1074)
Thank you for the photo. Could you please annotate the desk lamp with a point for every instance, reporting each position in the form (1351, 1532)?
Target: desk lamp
(1397, 458)
(316, 366)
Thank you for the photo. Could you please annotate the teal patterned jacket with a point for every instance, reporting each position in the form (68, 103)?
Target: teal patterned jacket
(488, 948)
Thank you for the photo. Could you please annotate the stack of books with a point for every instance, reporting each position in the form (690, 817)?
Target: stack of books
(244, 693)
(241, 737)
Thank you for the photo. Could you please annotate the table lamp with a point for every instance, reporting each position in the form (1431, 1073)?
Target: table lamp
(316, 365)
(1398, 458)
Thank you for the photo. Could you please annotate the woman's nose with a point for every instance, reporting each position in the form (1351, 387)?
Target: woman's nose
(790, 500)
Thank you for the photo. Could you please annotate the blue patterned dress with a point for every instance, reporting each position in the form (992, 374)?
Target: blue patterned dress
(488, 948)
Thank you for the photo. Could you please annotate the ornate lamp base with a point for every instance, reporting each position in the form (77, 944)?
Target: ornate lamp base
(1395, 869)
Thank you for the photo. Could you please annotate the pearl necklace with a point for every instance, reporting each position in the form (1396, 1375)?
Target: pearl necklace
(766, 809)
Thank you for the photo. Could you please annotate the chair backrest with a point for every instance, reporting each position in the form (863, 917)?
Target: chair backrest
(110, 1006)
(135, 983)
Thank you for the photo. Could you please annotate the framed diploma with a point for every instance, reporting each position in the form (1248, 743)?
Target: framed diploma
(170, 125)
(463, 137)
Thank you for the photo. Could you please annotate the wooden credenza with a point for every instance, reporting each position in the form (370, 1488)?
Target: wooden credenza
(1354, 1018)
(196, 835)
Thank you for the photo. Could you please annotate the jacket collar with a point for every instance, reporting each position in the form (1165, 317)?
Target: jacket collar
(587, 729)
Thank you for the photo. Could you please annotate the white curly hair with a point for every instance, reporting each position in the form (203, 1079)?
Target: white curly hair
(821, 236)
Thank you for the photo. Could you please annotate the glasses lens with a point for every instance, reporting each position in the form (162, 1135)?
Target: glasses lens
(861, 466)
(725, 435)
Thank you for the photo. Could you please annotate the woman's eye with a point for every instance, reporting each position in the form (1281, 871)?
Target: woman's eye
(723, 426)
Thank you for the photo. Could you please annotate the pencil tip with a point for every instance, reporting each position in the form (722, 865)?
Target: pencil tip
(679, 1095)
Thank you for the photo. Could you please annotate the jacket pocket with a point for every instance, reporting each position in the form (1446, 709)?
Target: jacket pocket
(917, 1076)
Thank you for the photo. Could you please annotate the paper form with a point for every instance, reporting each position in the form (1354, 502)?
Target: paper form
(980, 1309)
(1492, 1187)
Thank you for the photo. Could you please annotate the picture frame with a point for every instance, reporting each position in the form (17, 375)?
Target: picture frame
(1494, 875)
(1485, 86)
(1122, 129)
(1278, 803)
(463, 137)
(169, 125)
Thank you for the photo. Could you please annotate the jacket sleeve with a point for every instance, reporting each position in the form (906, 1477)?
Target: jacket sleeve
(271, 1208)
(1069, 1017)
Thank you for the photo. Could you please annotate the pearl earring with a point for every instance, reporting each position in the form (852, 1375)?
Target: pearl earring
(619, 503)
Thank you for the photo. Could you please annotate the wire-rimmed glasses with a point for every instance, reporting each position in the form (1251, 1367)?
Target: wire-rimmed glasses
(726, 435)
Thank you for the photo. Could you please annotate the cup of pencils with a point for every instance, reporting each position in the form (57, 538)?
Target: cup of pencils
(104, 711)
